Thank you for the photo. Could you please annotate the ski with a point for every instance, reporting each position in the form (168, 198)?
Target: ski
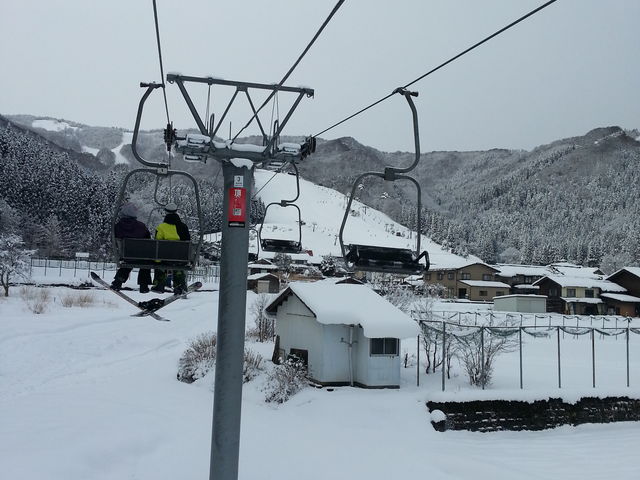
(150, 306)
(96, 278)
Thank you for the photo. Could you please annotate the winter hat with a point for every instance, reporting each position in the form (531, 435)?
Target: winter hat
(171, 208)
(129, 210)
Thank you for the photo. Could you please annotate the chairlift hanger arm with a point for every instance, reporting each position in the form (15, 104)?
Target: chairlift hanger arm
(174, 77)
(255, 114)
(226, 110)
(390, 172)
(192, 107)
(281, 126)
(136, 130)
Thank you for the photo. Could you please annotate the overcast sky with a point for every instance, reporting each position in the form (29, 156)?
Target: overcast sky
(570, 68)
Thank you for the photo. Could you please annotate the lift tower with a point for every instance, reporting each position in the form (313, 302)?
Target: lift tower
(237, 161)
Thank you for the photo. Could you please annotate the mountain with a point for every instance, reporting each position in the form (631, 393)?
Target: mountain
(574, 199)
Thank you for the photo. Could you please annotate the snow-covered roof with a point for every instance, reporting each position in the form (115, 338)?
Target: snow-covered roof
(452, 262)
(340, 280)
(263, 266)
(573, 270)
(633, 270)
(526, 285)
(521, 295)
(511, 270)
(484, 283)
(582, 300)
(621, 297)
(584, 282)
(258, 276)
(348, 304)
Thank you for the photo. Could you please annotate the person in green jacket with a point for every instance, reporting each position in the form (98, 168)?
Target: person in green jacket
(171, 228)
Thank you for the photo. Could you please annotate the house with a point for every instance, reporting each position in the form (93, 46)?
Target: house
(621, 304)
(521, 277)
(347, 334)
(576, 295)
(263, 283)
(455, 280)
(261, 266)
(520, 303)
(629, 278)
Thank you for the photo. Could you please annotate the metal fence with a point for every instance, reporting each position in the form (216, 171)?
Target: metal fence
(447, 334)
(51, 267)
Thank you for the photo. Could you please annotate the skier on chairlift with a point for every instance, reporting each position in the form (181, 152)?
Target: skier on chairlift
(171, 228)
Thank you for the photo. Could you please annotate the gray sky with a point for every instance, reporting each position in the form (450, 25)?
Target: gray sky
(570, 68)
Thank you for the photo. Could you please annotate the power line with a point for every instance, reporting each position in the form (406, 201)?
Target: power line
(284, 79)
(164, 91)
(464, 52)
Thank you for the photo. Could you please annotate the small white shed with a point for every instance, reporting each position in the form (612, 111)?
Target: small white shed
(347, 334)
(521, 303)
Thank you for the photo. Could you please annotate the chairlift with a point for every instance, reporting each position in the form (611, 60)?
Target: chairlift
(381, 258)
(151, 253)
(283, 245)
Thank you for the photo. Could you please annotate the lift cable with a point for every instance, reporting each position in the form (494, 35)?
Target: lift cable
(164, 92)
(267, 182)
(512, 24)
(284, 79)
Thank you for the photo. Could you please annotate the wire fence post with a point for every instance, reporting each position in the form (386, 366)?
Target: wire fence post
(482, 356)
(593, 358)
(418, 361)
(627, 355)
(520, 341)
(559, 371)
(444, 351)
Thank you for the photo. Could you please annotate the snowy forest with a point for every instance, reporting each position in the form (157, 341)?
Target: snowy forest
(60, 207)
(574, 199)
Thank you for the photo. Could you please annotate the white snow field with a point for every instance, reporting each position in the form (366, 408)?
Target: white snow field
(91, 393)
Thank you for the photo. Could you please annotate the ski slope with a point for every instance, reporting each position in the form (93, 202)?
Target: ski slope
(322, 210)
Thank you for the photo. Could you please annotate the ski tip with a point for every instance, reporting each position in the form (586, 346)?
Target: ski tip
(94, 275)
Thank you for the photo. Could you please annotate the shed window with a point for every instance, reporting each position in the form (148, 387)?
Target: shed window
(571, 292)
(487, 277)
(499, 293)
(450, 275)
(440, 275)
(483, 293)
(588, 293)
(384, 346)
(465, 276)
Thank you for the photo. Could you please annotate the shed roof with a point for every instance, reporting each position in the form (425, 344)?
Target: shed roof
(632, 270)
(484, 283)
(260, 276)
(621, 297)
(582, 300)
(347, 304)
(511, 270)
(584, 282)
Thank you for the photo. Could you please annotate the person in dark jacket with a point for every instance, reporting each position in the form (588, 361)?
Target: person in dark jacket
(171, 228)
(128, 226)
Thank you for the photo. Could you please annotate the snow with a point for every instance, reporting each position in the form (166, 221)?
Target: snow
(242, 162)
(586, 282)
(621, 297)
(509, 270)
(91, 393)
(352, 305)
(485, 283)
(51, 125)
(127, 138)
(91, 150)
(593, 301)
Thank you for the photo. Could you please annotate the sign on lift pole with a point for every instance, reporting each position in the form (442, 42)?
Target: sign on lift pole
(225, 435)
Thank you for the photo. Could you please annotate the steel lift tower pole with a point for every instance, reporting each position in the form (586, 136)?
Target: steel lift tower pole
(237, 168)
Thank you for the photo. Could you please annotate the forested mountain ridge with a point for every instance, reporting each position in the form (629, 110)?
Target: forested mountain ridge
(574, 199)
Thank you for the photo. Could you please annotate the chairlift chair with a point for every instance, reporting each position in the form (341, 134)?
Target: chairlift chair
(151, 253)
(381, 258)
(283, 245)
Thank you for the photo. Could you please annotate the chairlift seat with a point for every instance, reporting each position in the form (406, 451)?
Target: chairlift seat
(281, 246)
(169, 254)
(386, 259)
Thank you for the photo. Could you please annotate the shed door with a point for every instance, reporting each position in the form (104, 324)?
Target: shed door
(263, 286)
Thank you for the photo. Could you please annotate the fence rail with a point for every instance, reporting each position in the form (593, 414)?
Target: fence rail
(50, 267)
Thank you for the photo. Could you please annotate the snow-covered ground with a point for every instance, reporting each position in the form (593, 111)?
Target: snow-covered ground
(91, 393)
(51, 125)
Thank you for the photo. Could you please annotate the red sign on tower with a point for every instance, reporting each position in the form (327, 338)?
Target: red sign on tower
(237, 207)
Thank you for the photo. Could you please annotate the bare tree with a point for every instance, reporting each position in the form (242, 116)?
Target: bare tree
(14, 260)
(265, 325)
